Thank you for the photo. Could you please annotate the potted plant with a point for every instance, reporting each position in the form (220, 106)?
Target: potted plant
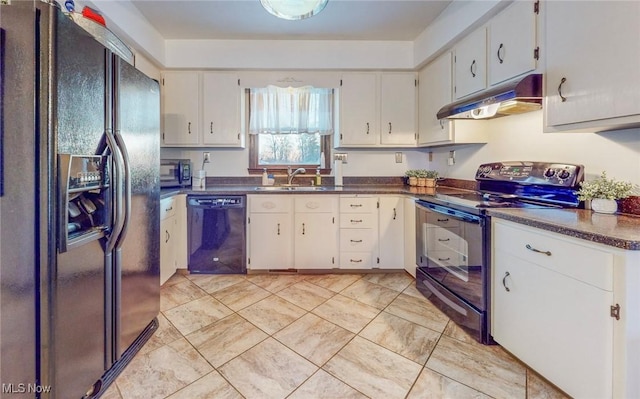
(412, 177)
(603, 193)
(427, 178)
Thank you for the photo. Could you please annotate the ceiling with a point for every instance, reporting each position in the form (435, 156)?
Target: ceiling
(247, 20)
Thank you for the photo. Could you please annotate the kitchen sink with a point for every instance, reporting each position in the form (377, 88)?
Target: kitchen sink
(290, 188)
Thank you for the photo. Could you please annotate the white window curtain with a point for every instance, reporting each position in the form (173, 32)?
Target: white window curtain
(288, 110)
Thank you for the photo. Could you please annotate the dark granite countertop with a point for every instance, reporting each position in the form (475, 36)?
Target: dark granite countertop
(619, 230)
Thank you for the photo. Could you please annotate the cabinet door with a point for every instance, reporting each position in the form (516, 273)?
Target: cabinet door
(221, 100)
(591, 73)
(398, 108)
(316, 243)
(391, 233)
(359, 109)
(557, 325)
(435, 91)
(270, 241)
(512, 40)
(180, 108)
(471, 64)
(167, 248)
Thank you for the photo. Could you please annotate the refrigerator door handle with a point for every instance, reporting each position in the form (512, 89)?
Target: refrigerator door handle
(118, 218)
(126, 166)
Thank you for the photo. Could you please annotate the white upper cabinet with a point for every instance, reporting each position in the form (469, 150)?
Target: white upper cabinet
(435, 91)
(358, 109)
(221, 99)
(398, 108)
(180, 108)
(377, 110)
(512, 42)
(592, 73)
(201, 109)
(471, 63)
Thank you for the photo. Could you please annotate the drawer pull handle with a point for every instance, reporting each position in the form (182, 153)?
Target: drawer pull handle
(355, 240)
(444, 259)
(303, 229)
(562, 98)
(167, 235)
(168, 209)
(530, 248)
(189, 128)
(504, 281)
(395, 214)
(443, 220)
(356, 221)
(355, 205)
(278, 228)
(500, 58)
(355, 260)
(444, 239)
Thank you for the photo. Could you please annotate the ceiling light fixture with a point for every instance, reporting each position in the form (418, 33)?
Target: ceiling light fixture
(294, 9)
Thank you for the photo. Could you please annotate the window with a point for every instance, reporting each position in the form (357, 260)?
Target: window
(289, 127)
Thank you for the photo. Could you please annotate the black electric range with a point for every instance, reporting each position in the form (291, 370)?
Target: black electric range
(453, 233)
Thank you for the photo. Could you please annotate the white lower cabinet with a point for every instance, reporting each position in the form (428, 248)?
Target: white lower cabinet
(292, 232)
(358, 231)
(168, 239)
(270, 232)
(551, 307)
(391, 233)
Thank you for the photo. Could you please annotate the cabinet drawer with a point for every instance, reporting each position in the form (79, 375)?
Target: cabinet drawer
(358, 204)
(316, 203)
(356, 260)
(167, 207)
(556, 252)
(357, 240)
(357, 221)
(270, 203)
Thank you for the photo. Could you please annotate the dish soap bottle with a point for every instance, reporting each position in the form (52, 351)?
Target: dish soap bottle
(265, 177)
(318, 177)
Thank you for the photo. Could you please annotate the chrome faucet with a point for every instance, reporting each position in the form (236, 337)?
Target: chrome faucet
(290, 175)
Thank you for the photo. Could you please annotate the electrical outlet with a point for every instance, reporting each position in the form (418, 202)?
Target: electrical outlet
(206, 157)
(452, 158)
(340, 157)
(398, 157)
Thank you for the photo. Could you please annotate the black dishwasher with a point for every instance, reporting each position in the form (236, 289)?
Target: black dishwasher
(216, 234)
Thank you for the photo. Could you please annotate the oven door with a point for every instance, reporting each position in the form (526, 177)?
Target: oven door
(450, 250)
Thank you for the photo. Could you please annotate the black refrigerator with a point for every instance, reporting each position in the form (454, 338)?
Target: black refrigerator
(79, 204)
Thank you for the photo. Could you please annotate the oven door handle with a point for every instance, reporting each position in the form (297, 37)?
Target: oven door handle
(449, 212)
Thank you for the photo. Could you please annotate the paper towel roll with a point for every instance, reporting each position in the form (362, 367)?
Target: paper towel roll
(337, 172)
(199, 180)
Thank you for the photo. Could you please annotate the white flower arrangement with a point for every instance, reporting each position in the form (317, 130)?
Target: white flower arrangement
(605, 188)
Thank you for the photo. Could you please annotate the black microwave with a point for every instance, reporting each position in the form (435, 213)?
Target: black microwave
(175, 172)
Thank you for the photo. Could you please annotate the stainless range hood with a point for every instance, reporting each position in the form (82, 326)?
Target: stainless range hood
(516, 97)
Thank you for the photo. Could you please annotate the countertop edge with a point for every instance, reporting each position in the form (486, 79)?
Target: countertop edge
(558, 227)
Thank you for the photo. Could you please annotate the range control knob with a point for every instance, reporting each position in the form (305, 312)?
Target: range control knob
(564, 174)
(549, 172)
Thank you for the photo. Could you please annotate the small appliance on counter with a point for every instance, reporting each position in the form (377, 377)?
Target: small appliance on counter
(175, 173)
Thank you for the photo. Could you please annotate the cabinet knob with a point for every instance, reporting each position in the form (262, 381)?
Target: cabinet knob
(563, 98)
(504, 281)
(500, 58)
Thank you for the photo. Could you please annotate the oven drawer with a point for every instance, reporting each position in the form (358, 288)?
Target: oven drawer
(555, 252)
(464, 315)
(439, 220)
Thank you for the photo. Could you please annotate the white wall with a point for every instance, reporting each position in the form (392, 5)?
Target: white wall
(234, 162)
(520, 137)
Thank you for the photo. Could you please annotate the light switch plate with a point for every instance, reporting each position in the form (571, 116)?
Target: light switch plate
(206, 157)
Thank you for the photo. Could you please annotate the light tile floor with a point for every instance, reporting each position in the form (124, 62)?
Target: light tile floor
(329, 336)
